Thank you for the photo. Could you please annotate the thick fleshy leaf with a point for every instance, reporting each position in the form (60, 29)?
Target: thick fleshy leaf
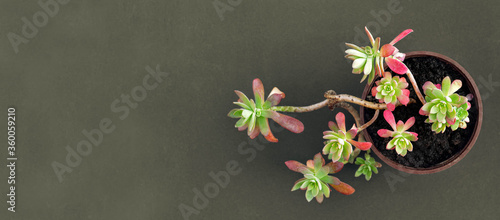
(455, 85)
(445, 85)
(361, 145)
(387, 50)
(252, 123)
(243, 127)
(298, 183)
(254, 133)
(335, 167)
(268, 113)
(370, 36)
(331, 180)
(310, 164)
(409, 123)
(340, 118)
(343, 188)
(396, 65)
(243, 97)
(241, 104)
(384, 133)
(289, 123)
(319, 198)
(391, 107)
(319, 161)
(414, 136)
(242, 122)
(381, 65)
(389, 117)
(376, 46)
(354, 46)
(235, 113)
(258, 90)
(352, 132)
(273, 100)
(295, 166)
(265, 130)
(358, 63)
(374, 91)
(438, 93)
(400, 126)
(368, 66)
(309, 195)
(401, 36)
(356, 53)
(428, 86)
(333, 126)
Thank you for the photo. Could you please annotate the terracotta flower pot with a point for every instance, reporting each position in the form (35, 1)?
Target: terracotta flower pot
(430, 63)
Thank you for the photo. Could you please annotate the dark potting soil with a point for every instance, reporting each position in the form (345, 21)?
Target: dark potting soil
(430, 149)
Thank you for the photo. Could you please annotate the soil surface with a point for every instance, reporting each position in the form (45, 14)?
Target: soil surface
(430, 149)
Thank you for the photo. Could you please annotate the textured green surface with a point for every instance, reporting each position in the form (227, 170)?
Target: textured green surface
(91, 52)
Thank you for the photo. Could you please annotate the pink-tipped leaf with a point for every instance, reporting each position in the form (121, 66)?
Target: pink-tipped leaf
(340, 118)
(384, 133)
(295, 166)
(410, 122)
(396, 65)
(401, 36)
(288, 122)
(343, 188)
(258, 90)
(389, 117)
(388, 50)
(361, 145)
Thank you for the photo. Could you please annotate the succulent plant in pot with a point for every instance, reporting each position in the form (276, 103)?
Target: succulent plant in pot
(422, 144)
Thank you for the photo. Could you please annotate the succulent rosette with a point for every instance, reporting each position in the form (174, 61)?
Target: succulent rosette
(370, 60)
(253, 115)
(390, 90)
(367, 166)
(316, 180)
(401, 138)
(444, 107)
(339, 141)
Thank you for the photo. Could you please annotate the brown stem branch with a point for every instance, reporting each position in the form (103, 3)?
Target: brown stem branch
(375, 116)
(355, 100)
(309, 108)
(415, 87)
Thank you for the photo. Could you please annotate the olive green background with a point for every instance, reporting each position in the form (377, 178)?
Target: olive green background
(91, 52)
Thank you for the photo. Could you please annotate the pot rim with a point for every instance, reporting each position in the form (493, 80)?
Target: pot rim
(458, 156)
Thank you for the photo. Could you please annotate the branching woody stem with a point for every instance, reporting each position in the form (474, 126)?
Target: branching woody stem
(309, 108)
(375, 116)
(415, 86)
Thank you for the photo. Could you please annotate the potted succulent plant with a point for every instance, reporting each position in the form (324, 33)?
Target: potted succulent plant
(438, 117)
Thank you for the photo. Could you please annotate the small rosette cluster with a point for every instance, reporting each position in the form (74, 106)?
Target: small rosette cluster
(401, 138)
(370, 60)
(367, 166)
(253, 115)
(390, 90)
(316, 180)
(339, 141)
(444, 107)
